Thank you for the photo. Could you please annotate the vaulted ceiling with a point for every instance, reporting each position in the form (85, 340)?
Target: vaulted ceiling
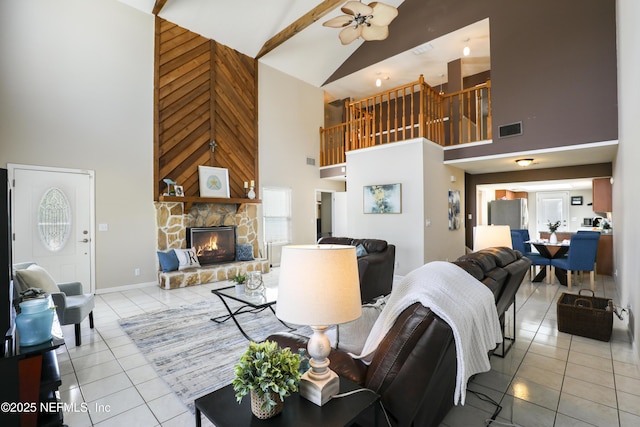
(288, 35)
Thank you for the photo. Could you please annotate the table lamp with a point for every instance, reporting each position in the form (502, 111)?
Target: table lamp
(490, 236)
(318, 287)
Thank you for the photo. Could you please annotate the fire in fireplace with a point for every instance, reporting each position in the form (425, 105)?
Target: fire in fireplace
(213, 244)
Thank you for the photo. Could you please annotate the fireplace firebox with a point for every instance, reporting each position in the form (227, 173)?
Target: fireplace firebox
(213, 245)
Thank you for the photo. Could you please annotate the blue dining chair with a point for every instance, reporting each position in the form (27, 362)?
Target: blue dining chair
(519, 237)
(581, 257)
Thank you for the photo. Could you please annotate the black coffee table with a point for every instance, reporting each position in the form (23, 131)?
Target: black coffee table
(222, 409)
(250, 303)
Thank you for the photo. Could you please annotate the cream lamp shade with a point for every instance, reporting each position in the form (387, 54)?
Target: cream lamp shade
(319, 286)
(490, 236)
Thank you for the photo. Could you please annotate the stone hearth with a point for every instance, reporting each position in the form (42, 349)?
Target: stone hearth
(172, 223)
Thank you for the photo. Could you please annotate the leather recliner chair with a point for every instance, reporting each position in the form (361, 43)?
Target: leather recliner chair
(375, 268)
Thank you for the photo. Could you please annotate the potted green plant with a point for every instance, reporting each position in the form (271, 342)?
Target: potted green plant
(269, 373)
(239, 279)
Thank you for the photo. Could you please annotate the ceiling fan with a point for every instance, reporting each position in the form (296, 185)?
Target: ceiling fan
(371, 22)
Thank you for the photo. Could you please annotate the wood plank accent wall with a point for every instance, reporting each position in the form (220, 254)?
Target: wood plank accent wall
(204, 92)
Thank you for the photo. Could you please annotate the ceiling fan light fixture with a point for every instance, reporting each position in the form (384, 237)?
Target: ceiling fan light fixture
(369, 22)
(524, 162)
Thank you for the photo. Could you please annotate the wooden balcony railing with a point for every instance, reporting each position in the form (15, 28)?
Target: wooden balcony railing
(333, 144)
(414, 110)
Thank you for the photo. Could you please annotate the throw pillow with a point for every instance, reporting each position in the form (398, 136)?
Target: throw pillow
(244, 253)
(168, 261)
(351, 336)
(361, 251)
(187, 258)
(37, 277)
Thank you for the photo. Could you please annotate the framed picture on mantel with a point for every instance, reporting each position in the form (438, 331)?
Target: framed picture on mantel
(214, 182)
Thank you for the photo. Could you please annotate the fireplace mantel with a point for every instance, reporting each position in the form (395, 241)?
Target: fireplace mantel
(190, 200)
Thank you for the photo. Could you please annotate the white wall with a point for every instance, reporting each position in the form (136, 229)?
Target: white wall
(440, 243)
(77, 92)
(290, 113)
(417, 165)
(626, 202)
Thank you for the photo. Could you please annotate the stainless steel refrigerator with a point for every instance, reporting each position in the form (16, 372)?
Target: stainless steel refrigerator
(513, 213)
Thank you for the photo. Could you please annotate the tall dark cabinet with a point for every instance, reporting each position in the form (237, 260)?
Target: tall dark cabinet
(30, 375)
(6, 316)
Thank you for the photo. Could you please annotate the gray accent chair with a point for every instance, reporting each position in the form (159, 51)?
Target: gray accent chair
(72, 306)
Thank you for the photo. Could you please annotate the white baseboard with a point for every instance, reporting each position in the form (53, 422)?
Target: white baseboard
(125, 287)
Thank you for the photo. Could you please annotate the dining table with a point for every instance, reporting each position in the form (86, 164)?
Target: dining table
(551, 251)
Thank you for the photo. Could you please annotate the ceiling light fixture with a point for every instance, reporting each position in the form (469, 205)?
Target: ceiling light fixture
(524, 162)
(466, 51)
(380, 78)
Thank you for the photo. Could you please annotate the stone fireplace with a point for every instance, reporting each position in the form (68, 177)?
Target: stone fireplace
(213, 244)
(172, 224)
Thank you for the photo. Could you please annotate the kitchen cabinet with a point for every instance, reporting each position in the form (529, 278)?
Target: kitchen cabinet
(510, 195)
(601, 195)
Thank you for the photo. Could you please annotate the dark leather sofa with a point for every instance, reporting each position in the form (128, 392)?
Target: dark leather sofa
(375, 268)
(414, 368)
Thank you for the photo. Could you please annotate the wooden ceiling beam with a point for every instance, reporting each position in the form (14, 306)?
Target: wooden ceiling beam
(300, 24)
(157, 7)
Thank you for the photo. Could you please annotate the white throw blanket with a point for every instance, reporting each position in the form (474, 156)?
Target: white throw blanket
(462, 301)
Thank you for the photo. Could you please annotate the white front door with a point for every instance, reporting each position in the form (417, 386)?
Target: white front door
(53, 222)
(552, 207)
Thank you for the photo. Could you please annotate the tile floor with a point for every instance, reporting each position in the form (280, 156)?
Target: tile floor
(555, 379)
(547, 379)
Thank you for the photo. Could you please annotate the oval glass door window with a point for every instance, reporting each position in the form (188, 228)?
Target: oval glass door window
(54, 219)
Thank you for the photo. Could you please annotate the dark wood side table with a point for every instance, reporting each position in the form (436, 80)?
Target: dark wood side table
(223, 410)
(31, 378)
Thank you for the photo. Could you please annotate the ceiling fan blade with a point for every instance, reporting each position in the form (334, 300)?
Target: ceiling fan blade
(375, 32)
(349, 34)
(382, 13)
(339, 21)
(355, 7)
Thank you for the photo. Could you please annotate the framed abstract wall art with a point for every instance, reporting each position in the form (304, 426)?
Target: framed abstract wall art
(454, 209)
(382, 199)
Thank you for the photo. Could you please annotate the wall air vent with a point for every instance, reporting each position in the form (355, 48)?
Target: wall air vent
(512, 129)
(311, 161)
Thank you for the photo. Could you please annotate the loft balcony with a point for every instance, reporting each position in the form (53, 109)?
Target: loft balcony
(415, 110)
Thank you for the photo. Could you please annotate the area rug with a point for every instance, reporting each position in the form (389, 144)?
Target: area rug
(193, 354)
